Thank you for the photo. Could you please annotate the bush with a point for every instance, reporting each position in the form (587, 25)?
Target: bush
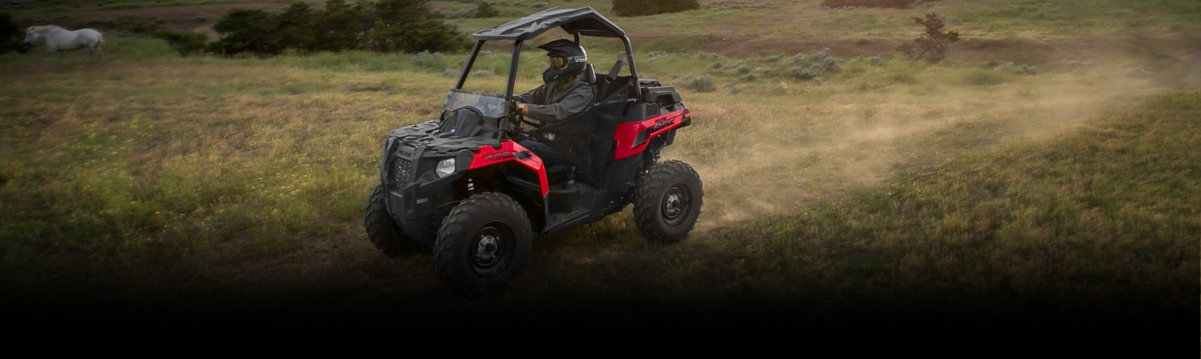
(485, 9)
(295, 25)
(12, 37)
(699, 84)
(803, 73)
(428, 60)
(409, 26)
(383, 26)
(341, 26)
(652, 7)
(899, 4)
(826, 62)
(183, 42)
(248, 31)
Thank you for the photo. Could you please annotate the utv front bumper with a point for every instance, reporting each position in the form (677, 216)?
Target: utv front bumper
(416, 195)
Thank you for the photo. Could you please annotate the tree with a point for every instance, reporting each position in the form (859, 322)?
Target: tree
(248, 31)
(341, 26)
(409, 26)
(384, 25)
(296, 27)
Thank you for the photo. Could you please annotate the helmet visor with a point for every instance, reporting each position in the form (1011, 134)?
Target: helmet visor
(557, 62)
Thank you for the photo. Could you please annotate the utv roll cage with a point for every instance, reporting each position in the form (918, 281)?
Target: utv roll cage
(579, 21)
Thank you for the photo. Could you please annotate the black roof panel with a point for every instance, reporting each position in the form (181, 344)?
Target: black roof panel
(584, 21)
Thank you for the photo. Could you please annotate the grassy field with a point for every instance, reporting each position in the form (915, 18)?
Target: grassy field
(1041, 187)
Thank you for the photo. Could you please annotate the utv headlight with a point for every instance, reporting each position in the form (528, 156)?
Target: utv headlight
(445, 167)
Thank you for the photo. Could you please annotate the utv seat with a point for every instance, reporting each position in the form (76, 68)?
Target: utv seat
(589, 75)
(606, 84)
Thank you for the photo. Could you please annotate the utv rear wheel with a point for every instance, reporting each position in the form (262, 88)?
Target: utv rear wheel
(381, 230)
(668, 201)
(483, 243)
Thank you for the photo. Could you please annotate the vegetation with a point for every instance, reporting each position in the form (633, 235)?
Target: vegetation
(869, 3)
(183, 42)
(485, 9)
(384, 26)
(652, 7)
(933, 44)
(699, 84)
(927, 193)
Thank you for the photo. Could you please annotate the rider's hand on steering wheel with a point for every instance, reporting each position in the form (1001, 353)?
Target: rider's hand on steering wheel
(521, 108)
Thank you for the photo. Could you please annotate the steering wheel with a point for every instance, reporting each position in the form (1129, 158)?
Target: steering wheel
(534, 125)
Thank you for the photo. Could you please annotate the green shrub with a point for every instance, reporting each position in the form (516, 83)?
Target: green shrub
(383, 26)
(426, 59)
(485, 9)
(409, 26)
(899, 4)
(652, 7)
(825, 61)
(248, 31)
(803, 73)
(698, 84)
(295, 25)
(183, 42)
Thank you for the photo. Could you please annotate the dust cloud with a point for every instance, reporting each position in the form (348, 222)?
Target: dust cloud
(774, 155)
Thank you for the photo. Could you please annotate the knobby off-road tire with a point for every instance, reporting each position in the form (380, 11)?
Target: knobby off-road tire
(484, 242)
(381, 230)
(668, 201)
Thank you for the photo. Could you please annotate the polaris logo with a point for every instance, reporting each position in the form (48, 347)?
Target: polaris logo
(662, 122)
(499, 156)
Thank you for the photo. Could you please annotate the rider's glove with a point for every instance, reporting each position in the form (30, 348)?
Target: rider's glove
(521, 108)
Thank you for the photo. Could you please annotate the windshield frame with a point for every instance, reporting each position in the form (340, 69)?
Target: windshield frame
(512, 78)
(488, 104)
(512, 123)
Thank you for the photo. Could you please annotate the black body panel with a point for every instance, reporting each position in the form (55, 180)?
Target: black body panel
(416, 196)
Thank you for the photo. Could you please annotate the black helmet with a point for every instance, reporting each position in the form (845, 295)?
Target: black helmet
(566, 59)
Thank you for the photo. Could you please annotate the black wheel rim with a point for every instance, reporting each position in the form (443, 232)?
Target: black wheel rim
(491, 249)
(677, 201)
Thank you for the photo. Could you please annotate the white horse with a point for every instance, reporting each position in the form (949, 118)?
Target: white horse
(58, 38)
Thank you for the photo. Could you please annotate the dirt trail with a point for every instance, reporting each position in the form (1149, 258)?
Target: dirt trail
(824, 151)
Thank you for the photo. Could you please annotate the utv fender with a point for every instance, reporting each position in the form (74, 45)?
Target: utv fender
(633, 137)
(510, 151)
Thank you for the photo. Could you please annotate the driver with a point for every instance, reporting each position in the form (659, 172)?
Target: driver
(557, 103)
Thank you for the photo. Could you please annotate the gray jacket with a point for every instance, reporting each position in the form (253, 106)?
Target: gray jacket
(553, 102)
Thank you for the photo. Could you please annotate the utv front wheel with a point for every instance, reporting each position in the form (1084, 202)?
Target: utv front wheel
(668, 202)
(482, 244)
(381, 230)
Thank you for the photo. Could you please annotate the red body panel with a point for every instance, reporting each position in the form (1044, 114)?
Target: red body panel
(627, 133)
(487, 156)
